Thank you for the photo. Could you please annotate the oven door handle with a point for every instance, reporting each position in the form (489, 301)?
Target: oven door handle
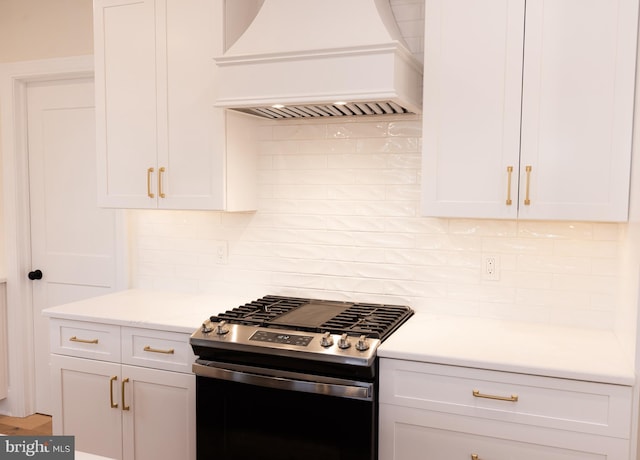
(285, 381)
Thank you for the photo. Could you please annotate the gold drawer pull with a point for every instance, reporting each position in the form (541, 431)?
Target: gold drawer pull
(527, 200)
(150, 194)
(76, 339)
(160, 188)
(170, 351)
(509, 173)
(512, 398)
(124, 405)
(111, 380)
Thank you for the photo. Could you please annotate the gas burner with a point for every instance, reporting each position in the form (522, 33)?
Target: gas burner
(259, 312)
(311, 315)
(297, 334)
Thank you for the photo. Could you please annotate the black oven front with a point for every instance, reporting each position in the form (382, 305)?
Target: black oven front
(246, 412)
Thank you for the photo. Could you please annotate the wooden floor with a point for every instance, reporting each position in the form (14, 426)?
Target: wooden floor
(33, 425)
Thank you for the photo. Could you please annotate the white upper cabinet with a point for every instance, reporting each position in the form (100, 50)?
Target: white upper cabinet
(528, 110)
(161, 143)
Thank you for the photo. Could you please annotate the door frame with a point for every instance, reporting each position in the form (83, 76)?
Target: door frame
(14, 78)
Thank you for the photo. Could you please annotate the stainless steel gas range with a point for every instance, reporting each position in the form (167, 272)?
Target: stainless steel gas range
(291, 378)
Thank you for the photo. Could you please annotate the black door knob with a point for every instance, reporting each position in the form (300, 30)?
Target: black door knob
(35, 275)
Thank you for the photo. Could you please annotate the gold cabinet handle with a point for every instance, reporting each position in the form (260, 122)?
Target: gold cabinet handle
(527, 201)
(150, 194)
(160, 172)
(512, 398)
(124, 406)
(76, 339)
(170, 351)
(509, 174)
(111, 380)
(475, 457)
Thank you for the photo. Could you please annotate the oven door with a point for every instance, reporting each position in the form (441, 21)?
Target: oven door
(244, 412)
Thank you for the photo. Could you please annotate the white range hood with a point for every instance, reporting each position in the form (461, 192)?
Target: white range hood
(320, 58)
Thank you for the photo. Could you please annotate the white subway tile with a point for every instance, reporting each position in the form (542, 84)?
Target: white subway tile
(517, 246)
(356, 192)
(387, 144)
(412, 258)
(448, 242)
(385, 209)
(329, 146)
(607, 231)
(357, 160)
(299, 162)
(405, 128)
(578, 284)
(404, 161)
(399, 177)
(338, 217)
(403, 192)
(554, 230)
(554, 264)
(483, 227)
(288, 131)
(358, 130)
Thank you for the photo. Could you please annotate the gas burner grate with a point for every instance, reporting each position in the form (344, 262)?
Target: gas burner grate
(375, 321)
(261, 311)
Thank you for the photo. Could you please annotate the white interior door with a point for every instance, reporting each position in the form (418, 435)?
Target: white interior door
(73, 242)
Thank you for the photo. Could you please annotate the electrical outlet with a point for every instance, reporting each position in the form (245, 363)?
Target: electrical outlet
(222, 253)
(490, 268)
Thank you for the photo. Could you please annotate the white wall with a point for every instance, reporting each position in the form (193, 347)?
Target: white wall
(41, 29)
(338, 217)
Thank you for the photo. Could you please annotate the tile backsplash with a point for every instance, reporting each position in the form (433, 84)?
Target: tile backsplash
(339, 218)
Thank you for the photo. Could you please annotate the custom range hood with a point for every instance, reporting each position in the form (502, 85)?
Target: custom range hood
(320, 58)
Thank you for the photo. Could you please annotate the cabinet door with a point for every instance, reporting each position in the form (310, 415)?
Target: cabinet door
(125, 87)
(88, 404)
(410, 434)
(577, 109)
(160, 421)
(471, 109)
(191, 130)
(426, 443)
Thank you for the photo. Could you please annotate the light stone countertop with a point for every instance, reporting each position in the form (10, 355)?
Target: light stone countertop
(167, 311)
(510, 346)
(520, 347)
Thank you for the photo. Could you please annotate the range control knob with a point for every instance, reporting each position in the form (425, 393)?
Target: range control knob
(344, 342)
(362, 344)
(326, 340)
(206, 328)
(220, 328)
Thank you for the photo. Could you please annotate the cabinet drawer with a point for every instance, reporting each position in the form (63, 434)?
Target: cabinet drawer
(587, 407)
(85, 340)
(157, 349)
(410, 434)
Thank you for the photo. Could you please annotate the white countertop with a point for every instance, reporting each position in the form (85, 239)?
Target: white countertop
(510, 346)
(520, 347)
(168, 311)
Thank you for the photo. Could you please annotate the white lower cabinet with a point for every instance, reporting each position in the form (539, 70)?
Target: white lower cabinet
(118, 410)
(431, 412)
